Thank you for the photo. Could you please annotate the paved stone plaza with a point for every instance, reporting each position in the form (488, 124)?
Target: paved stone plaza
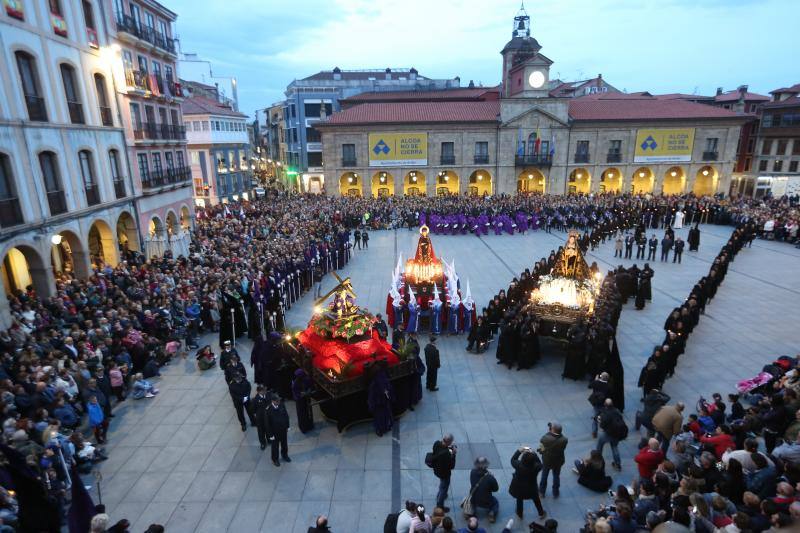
(181, 459)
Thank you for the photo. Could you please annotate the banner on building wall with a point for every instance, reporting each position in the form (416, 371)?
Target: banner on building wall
(664, 146)
(398, 149)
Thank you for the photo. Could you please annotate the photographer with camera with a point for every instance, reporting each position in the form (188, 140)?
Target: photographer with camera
(443, 461)
(552, 447)
(523, 485)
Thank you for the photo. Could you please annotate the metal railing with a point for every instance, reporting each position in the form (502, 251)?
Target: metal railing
(75, 112)
(166, 177)
(159, 132)
(533, 160)
(613, 157)
(581, 158)
(348, 162)
(481, 160)
(447, 160)
(92, 195)
(57, 202)
(10, 213)
(710, 156)
(105, 116)
(36, 108)
(128, 24)
(119, 188)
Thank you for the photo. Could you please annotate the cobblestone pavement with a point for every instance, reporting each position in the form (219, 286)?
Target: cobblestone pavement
(181, 459)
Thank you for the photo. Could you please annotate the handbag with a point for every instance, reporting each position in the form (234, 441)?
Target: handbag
(429, 459)
(466, 503)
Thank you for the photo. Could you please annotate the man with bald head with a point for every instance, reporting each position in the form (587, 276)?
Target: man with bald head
(648, 459)
(553, 443)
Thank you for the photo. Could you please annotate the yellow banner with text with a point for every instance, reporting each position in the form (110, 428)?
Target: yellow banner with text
(398, 149)
(664, 146)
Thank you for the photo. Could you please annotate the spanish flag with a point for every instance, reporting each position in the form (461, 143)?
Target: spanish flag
(538, 143)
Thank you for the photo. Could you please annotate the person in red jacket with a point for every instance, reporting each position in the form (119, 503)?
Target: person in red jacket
(649, 458)
(721, 440)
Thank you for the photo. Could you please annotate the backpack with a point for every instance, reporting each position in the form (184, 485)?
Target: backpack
(390, 525)
(617, 428)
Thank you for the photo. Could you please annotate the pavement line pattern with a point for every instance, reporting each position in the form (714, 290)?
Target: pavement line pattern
(502, 261)
(395, 440)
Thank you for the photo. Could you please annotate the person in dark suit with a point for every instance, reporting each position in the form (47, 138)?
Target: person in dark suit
(226, 354)
(652, 247)
(641, 242)
(679, 244)
(240, 394)
(381, 327)
(523, 485)
(260, 405)
(277, 428)
(433, 363)
(552, 446)
(666, 246)
(444, 461)
(234, 367)
(629, 245)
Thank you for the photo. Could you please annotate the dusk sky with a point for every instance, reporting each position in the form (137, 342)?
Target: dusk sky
(665, 46)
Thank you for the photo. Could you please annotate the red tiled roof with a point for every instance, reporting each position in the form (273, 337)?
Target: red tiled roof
(792, 101)
(363, 75)
(793, 89)
(682, 96)
(417, 112)
(733, 96)
(612, 107)
(200, 105)
(463, 93)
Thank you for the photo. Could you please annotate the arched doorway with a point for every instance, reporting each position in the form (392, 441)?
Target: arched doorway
(480, 183)
(127, 236)
(674, 181)
(580, 181)
(611, 180)
(414, 184)
(68, 256)
(22, 268)
(102, 248)
(531, 181)
(446, 183)
(705, 183)
(172, 224)
(642, 182)
(350, 184)
(382, 184)
(186, 219)
(155, 243)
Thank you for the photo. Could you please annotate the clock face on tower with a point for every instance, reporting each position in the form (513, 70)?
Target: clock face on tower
(536, 79)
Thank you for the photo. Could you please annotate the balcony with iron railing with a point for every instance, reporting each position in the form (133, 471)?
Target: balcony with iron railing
(581, 157)
(710, 156)
(481, 159)
(533, 160)
(447, 160)
(119, 188)
(57, 202)
(105, 116)
(92, 195)
(614, 157)
(127, 24)
(349, 162)
(75, 112)
(161, 178)
(10, 213)
(36, 109)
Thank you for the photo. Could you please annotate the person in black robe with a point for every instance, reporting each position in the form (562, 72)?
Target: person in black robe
(503, 350)
(302, 390)
(529, 346)
(616, 374)
(283, 370)
(232, 321)
(380, 398)
(415, 383)
(256, 318)
(575, 362)
(694, 238)
(261, 361)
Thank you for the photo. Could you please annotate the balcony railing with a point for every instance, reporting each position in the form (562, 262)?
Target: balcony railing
(581, 158)
(614, 157)
(10, 213)
(533, 160)
(710, 156)
(127, 24)
(119, 188)
(481, 160)
(92, 195)
(168, 177)
(36, 108)
(57, 202)
(105, 116)
(447, 160)
(75, 112)
(349, 162)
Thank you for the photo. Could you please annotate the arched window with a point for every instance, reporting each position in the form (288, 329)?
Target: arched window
(87, 173)
(531, 148)
(70, 82)
(52, 183)
(31, 89)
(10, 213)
(102, 100)
(119, 183)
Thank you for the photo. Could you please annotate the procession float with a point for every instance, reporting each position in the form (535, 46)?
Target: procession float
(415, 301)
(568, 293)
(340, 350)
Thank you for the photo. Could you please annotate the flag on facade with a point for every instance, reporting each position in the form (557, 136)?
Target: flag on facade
(553, 145)
(538, 143)
(520, 143)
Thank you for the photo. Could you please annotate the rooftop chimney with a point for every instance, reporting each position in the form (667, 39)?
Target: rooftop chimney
(412, 74)
(600, 76)
(388, 73)
(471, 84)
(337, 73)
(742, 91)
(719, 91)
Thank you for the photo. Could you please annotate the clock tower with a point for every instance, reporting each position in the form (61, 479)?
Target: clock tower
(526, 72)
